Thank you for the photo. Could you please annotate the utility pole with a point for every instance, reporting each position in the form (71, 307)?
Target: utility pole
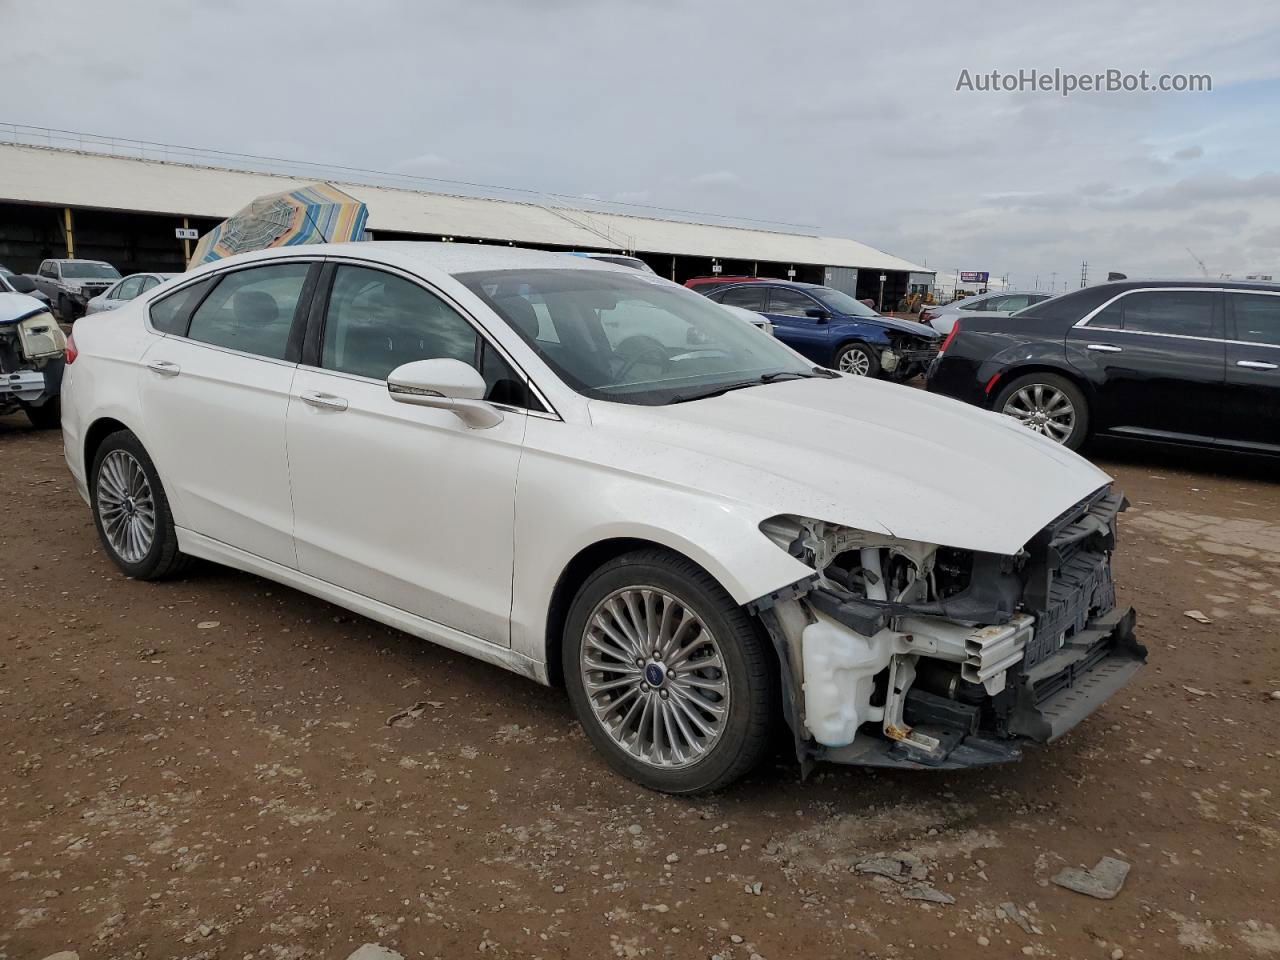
(1084, 274)
(1053, 283)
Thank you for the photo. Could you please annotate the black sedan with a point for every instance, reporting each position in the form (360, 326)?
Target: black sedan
(1178, 361)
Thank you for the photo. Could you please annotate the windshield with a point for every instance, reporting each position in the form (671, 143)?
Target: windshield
(89, 270)
(838, 302)
(632, 338)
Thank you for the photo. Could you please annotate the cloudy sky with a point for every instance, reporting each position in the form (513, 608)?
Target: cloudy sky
(841, 116)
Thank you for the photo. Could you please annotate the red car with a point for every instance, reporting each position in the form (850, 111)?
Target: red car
(705, 285)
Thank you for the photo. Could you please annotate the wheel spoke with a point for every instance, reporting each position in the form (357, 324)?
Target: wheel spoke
(654, 676)
(126, 506)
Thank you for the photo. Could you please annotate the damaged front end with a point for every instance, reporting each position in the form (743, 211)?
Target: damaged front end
(906, 654)
(32, 347)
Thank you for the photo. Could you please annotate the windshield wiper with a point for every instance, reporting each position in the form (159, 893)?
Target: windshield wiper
(773, 377)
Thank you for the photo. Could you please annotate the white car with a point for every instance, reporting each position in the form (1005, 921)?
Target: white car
(1002, 303)
(121, 293)
(696, 540)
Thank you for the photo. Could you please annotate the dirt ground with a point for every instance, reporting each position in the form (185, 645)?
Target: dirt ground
(204, 768)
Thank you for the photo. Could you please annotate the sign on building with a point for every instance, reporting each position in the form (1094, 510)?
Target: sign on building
(186, 233)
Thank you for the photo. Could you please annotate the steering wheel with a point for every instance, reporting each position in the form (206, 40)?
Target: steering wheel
(639, 348)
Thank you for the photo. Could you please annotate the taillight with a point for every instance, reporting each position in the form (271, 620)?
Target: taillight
(950, 336)
(71, 349)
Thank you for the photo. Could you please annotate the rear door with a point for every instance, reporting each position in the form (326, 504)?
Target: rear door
(214, 390)
(788, 310)
(1157, 360)
(1252, 413)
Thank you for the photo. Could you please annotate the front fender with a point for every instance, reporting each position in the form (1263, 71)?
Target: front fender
(564, 506)
(870, 333)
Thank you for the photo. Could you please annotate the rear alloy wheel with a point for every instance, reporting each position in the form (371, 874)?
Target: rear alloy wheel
(1049, 405)
(131, 511)
(857, 359)
(669, 678)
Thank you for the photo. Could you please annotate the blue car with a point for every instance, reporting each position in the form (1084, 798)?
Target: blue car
(834, 330)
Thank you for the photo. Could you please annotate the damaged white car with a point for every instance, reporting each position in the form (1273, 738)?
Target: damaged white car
(689, 526)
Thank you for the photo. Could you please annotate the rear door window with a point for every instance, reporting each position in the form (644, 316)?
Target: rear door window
(790, 303)
(252, 310)
(1182, 313)
(128, 289)
(748, 298)
(1257, 317)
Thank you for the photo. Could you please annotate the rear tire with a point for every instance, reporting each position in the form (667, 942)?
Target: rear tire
(66, 312)
(131, 511)
(857, 359)
(47, 416)
(1048, 404)
(692, 718)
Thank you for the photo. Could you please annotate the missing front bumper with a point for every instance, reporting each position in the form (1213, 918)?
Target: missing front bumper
(1036, 707)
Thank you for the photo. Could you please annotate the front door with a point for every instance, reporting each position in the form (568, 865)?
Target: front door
(1252, 414)
(1158, 357)
(789, 312)
(401, 503)
(214, 393)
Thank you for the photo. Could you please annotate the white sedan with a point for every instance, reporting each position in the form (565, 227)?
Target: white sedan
(134, 285)
(698, 536)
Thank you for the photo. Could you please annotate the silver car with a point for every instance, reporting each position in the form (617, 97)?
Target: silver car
(127, 289)
(1001, 303)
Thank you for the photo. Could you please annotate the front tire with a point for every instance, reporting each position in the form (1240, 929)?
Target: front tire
(671, 680)
(131, 511)
(1049, 405)
(857, 359)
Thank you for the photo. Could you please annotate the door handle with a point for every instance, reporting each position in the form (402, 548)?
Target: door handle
(323, 401)
(1104, 347)
(166, 368)
(1257, 364)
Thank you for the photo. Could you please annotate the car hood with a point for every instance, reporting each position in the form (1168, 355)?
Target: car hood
(863, 453)
(18, 306)
(905, 326)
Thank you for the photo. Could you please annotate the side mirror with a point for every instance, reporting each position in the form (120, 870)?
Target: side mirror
(22, 284)
(818, 314)
(446, 385)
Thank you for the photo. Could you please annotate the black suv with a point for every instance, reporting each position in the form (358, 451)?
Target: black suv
(1178, 361)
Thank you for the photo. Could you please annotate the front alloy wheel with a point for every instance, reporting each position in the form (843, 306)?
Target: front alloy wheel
(857, 359)
(655, 677)
(671, 679)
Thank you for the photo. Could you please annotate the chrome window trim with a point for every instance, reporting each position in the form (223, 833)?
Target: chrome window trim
(481, 331)
(146, 313)
(1083, 322)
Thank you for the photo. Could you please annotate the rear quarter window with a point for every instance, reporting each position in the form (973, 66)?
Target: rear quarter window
(1069, 307)
(172, 313)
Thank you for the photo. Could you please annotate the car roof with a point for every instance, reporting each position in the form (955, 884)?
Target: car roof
(451, 258)
(1134, 282)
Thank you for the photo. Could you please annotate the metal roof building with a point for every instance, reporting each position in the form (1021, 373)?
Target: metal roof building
(125, 210)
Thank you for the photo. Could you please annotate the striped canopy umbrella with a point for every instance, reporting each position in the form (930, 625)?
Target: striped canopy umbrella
(320, 213)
